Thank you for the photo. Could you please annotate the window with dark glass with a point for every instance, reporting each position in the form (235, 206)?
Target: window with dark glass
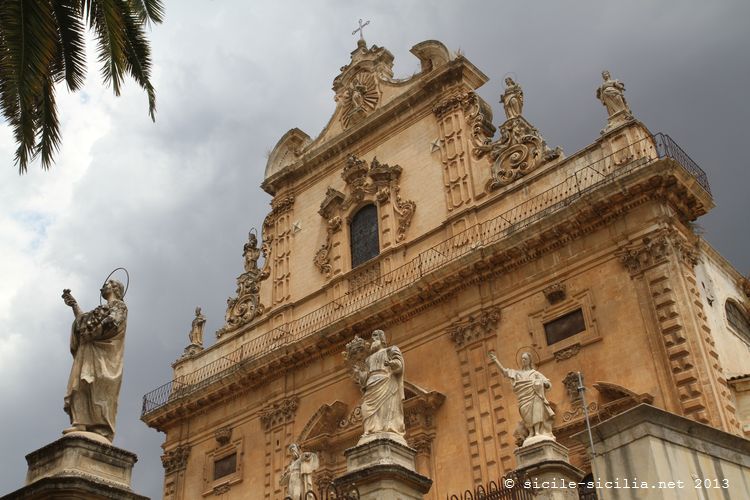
(737, 319)
(363, 232)
(564, 327)
(225, 466)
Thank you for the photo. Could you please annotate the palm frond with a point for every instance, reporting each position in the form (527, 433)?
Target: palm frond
(148, 10)
(48, 125)
(106, 19)
(138, 58)
(71, 44)
(30, 43)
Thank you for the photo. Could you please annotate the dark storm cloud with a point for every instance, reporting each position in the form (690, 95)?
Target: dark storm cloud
(173, 201)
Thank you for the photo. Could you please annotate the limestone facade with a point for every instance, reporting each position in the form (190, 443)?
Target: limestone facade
(590, 262)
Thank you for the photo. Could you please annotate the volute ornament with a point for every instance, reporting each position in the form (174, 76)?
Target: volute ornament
(520, 148)
(245, 306)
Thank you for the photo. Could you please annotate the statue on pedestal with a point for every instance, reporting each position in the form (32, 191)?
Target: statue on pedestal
(196, 330)
(298, 475)
(97, 343)
(612, 95)
(529, 387)
(512, 99)
(381, 377)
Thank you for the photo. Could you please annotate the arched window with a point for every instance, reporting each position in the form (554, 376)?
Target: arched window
(737, 319)
(363, 235)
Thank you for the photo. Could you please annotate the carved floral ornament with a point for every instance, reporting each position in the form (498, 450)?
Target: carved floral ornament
(378, 182)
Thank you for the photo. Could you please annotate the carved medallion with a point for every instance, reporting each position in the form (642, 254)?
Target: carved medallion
(358, 98)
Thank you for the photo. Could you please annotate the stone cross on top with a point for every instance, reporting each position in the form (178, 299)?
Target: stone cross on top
(361, 30)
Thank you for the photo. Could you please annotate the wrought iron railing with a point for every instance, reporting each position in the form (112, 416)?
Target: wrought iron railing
(331, 492)
(579, 184)
(507, 488)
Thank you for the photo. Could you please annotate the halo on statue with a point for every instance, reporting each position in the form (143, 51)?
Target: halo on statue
(530, 350)
(127, 283)
(511, 74)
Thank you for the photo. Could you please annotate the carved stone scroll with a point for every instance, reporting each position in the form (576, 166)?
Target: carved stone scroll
(520, 148)
(245, 306)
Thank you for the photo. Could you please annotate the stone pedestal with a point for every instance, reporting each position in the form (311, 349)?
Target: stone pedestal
(78, 465)
(545, 466)
(383, 469)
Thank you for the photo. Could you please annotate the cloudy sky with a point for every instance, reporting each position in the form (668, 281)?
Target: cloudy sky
(173, 201)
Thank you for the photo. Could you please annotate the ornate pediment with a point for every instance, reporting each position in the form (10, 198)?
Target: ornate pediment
(357, 87)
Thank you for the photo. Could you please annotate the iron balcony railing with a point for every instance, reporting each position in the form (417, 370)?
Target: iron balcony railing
(583, 181)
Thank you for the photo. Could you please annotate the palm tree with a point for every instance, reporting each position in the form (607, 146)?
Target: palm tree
(42, 43)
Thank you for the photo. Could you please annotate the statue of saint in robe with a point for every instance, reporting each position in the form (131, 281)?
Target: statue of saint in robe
(196, 330)
(298, 475)
(529, 387)
(97, 342)
(612, 95)
(512, 99)
(381, 378)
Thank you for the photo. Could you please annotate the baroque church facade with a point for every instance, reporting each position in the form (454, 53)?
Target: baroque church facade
(415, 212)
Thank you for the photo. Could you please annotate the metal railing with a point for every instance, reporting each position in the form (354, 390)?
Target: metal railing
(507, 488)
(587, 179)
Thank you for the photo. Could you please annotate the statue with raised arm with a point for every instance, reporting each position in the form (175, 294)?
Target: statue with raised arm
(529, 387)
(298, 475)
(97, 342)
(381, 377)
(512, 99)
(612, 95)
(196, 329)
